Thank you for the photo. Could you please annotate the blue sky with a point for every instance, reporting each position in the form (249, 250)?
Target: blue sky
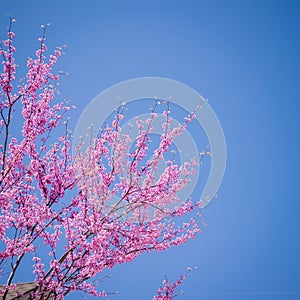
(244, 56)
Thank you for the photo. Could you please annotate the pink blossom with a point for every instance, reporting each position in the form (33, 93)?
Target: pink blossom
(50, 199)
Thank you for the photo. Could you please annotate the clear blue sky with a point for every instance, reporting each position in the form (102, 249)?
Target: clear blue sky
(244, 56)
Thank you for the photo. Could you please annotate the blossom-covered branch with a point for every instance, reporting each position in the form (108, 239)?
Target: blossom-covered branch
(118, 208)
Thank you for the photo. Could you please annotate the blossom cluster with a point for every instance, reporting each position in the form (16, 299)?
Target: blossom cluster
(168, 290)
(118, 208)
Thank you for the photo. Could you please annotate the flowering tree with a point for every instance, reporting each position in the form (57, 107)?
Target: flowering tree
(118, 208)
